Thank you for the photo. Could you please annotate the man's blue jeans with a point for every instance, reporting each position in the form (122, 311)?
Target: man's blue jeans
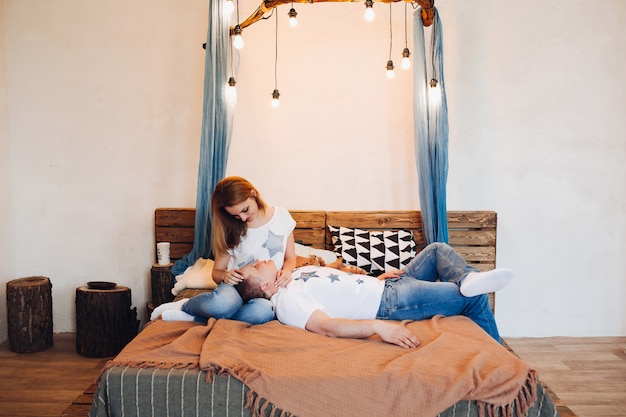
(417, 295)
(224, 302)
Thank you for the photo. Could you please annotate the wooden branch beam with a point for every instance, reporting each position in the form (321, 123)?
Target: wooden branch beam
(428, 9)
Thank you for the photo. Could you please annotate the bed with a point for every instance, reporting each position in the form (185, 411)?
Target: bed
(225, 367)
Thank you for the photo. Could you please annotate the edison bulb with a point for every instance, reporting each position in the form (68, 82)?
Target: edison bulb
(238, 42)
(293, 21)
(390, 71)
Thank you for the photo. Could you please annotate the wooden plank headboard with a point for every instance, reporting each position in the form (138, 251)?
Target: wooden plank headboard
(471, 233)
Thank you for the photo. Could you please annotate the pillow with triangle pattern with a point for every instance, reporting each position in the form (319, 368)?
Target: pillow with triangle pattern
(375, 251)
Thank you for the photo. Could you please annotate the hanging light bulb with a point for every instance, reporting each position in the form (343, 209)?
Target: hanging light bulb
(369, 10)
(406, 62)
(231, 90)
(293, 21)
(275, 96)
(237, 40)
(390, 72)
(229, 7)
(434, 93)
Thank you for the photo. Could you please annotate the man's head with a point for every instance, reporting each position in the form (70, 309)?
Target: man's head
(259, 280)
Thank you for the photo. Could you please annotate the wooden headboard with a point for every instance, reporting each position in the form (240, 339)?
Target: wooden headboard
(471, 233)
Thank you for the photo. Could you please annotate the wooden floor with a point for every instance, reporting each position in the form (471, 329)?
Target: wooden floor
(44, 383)
(587, 374)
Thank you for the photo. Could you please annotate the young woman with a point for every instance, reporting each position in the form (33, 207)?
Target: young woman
(244, 229)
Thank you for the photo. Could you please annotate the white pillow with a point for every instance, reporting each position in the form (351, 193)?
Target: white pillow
(327, 255)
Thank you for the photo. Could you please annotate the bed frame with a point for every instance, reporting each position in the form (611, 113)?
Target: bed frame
(471, 233)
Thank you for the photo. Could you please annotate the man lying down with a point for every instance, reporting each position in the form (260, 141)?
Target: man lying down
(335, 303)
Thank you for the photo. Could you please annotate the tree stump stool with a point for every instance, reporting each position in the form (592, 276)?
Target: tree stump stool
(162, 281)
(105, 322)
(29, 314)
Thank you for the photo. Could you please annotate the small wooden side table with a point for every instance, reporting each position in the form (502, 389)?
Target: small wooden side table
(105, 322)
(161, 283)
(29, 314)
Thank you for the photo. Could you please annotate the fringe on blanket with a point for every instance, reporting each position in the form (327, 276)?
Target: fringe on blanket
(151, 364)
(259, 406)
(524, 401)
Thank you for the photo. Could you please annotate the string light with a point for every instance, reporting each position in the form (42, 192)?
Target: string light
(406, 61)
(434, 93)
(275, 97)
(275, 93)
(293, 21)
(390, 71)
(369, 10)
(231, 91)
(237, 40)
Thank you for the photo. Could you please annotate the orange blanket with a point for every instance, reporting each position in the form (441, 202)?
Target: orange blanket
(313, 375)
(307, 374)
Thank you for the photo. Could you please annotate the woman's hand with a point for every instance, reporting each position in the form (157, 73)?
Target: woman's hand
(233, 277)
(283, 278)
(390, 274)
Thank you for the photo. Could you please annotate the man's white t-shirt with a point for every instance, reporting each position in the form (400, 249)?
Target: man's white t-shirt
(265, 242)
(338, 294)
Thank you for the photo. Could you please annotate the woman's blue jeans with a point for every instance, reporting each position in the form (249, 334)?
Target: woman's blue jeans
(224, 302)
(417, 295)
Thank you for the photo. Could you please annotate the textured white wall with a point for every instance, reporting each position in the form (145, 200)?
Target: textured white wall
(104, 111)
(7, 262)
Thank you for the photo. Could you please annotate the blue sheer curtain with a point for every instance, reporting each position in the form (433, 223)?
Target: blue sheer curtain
(430, 118)
(217, 115)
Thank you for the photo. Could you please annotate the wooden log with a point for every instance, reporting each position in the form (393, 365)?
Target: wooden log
(105, 322)
(29, 308)
(161, 281)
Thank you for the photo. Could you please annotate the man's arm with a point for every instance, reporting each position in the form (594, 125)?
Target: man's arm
(388, 331)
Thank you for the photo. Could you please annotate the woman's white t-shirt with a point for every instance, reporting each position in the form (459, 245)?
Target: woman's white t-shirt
(264, 242)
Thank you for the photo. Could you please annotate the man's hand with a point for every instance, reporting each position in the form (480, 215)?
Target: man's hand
(393, 332)
(389, 331)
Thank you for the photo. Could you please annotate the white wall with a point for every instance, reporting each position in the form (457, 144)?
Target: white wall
(104, 108)
(6, 213)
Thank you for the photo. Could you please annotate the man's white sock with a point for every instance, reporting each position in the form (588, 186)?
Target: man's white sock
(477, 283)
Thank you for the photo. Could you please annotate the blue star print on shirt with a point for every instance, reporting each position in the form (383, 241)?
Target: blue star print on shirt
(306, 275)
(274, 243)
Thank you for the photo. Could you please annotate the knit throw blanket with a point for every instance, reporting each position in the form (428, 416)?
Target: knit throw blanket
(306, 374)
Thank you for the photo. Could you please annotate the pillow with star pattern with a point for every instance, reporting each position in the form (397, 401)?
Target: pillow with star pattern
(375, 251)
